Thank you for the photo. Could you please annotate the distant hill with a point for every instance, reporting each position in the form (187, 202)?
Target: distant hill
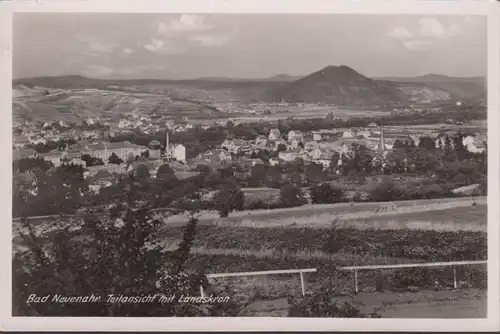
(436, 78)
(338, 85)
(459, 87)
(284, 78)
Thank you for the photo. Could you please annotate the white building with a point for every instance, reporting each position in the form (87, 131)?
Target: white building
(175, 151)
(349, 134)
(473, 145)
(295, 134)
(274, 134)
(178, 152)
(317, 136)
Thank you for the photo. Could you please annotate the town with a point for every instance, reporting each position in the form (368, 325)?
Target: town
(297, 177)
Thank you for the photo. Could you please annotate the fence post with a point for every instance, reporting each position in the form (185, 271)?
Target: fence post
(355, 280)
(302, 283)
(202, 293)
(454, 277)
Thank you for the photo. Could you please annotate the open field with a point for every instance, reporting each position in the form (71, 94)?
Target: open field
(319, 112)
(447, 214)
(475, 126)
(438, 214)
(267, 195)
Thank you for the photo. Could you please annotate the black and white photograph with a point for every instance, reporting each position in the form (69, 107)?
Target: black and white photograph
(251, 165)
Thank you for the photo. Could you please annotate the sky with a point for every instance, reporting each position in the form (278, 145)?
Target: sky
(183, 46)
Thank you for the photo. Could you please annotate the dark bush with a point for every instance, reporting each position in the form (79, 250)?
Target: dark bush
(325, 194)
(291, 196)
(322, 304)
(228, 198)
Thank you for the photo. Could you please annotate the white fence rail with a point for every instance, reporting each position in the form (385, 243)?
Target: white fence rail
(412, 265)
(269, 272)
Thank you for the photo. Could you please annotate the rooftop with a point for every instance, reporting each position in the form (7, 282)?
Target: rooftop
(154, 144)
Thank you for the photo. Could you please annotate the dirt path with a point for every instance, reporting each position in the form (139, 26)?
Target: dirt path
(444, 214)
(439, 309)
(425, 304)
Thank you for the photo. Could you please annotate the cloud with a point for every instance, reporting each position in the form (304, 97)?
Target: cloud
(185, 23)
(175, 36)
(416, 44)
(210, 40)
(430, 27)
(155, 45)
(160, 46)
(399, 33)
(96, 45)
(128, 51)
(425, 33)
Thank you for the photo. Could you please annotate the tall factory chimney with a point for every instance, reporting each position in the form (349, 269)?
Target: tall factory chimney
(381, 145)
(167, 144)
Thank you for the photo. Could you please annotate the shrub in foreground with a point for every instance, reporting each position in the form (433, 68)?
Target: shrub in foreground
(112, 256)
(322, 304)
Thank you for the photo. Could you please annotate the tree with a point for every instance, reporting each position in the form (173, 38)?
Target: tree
(334, 161)
(314, 172)
(258, 175)
(427, 143)
(460, 149)
(228, 198)
(165, 170)
(167, 176)
(92, 161)
(398, 144)
(291, 196)
(273, 177)
(281, 148)
(130, 158)
(360, 159)
(203, 169)
(326, 193)
(29, 164)
(114, 159)
(116, 255)
(264, 156)
(385, 192)
(59, 190)
(141, 173)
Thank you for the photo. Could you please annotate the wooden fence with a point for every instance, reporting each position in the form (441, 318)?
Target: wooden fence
(350, 268)
(269, 272)
(412, 265)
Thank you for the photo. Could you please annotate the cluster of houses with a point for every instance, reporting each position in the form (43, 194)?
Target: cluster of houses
(320, 146)
(125, 151)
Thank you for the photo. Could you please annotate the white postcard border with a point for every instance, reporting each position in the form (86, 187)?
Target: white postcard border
(487, 8)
